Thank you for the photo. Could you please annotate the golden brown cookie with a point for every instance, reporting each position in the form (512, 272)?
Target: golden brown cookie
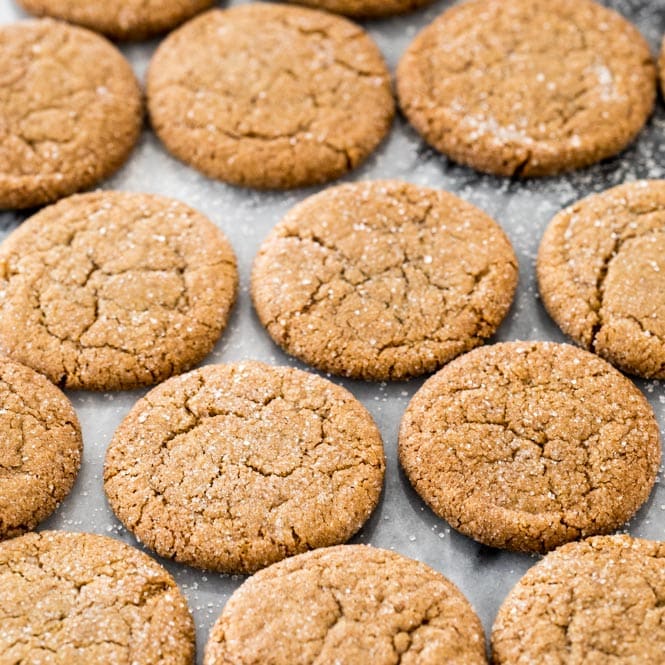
(113, 290)
(242, 108)
(383, 280)
(365, 8)
(40, 448)
(120, 19)
(598, 601)
(70, 111)
(350, 604)
(528, 87)
(79, 598)
(601, 274)
(528, 445)
(234, 467)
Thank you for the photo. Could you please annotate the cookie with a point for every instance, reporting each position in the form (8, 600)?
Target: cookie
(349, 604)
(234, 467)
(601, 600)
(81, 598)
(242, 108)
(599, 273)
(383, 280)
(70, 110)
(528, 445)
(528, 87)
(112, 290)
(365, 8)
(120, 19)
(40, 448)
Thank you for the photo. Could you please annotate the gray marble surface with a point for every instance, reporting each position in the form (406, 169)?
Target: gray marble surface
(401, 522)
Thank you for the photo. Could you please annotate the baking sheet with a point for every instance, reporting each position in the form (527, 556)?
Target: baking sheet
(401, 522)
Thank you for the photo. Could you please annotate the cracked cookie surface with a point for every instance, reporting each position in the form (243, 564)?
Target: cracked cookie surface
(234, 467)
(40, 448)
(383, 280)
(226, 97)
(70, 111)
(528, 87)
(351, 604)
(84, 599)
(113, 290)
(601, 275)
(365, 8)
(528, 445)
(598, 601)
(120, 19)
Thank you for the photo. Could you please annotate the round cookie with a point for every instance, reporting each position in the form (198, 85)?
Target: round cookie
(351, 604)
(40, 448)
(598, 601)
(599, 273)
(120, 19)
(528, 445)
(82, 598)
(112, 290)
(70, 110)
(383, 280)
(365, 8)
(234, 467)
(528, 87)
(243, 109)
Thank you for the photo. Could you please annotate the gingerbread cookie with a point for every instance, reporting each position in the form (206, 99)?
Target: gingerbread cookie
(70, 111)
(528, 87)
(599, 272)
(234, 467)
(242, 108)
(601, 600)
(113, 290)
(82, 598)
(349, 604)
(120, 19)
(40, 448)
(528, 445)
(365, 8)
(383, 280)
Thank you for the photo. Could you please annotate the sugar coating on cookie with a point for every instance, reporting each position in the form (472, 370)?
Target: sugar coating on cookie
(601, 275)
(601, 600)
(71, 111)
(528, 87)
(40, 448)
(113, 290)
(528, 445)
(228, 98)
(351, 604)
(234, 467)
(84, 598)
(383, 280)
(120, 19)
(365, 8)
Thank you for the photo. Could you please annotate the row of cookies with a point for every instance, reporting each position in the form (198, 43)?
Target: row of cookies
(520, 445)
(92, 599)
(376, 280)
(140, 19)
(515, 99)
